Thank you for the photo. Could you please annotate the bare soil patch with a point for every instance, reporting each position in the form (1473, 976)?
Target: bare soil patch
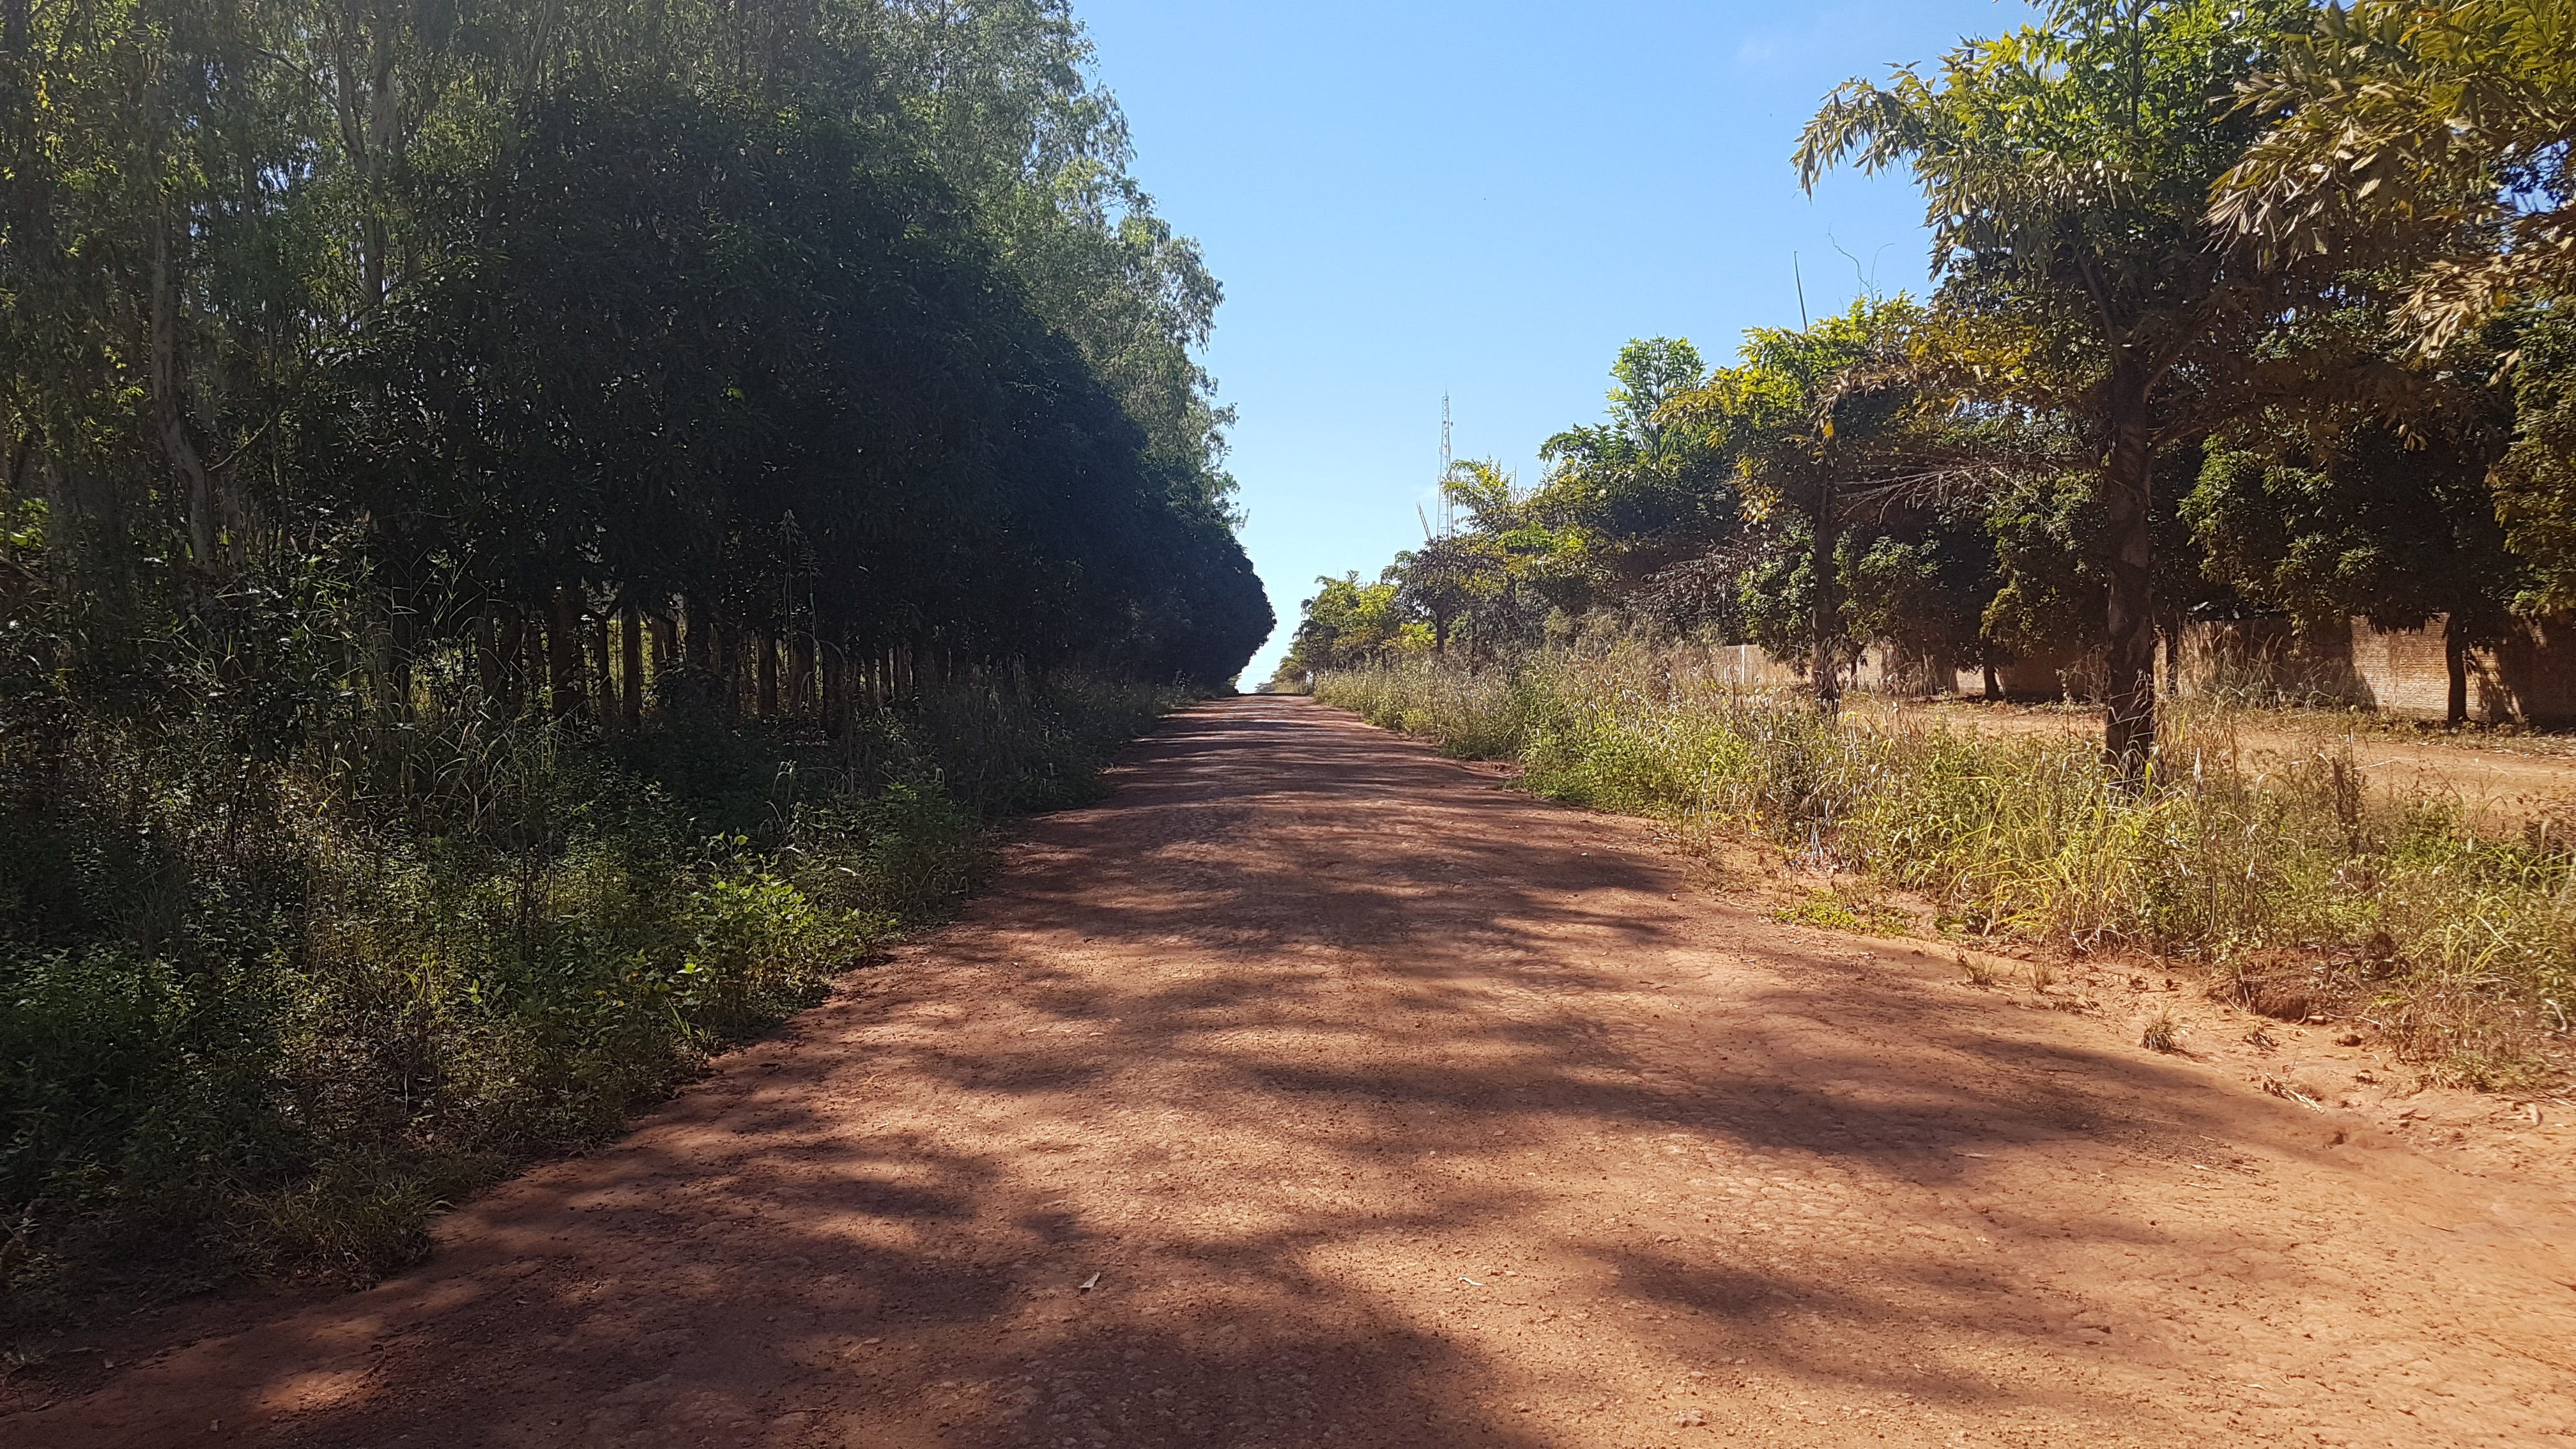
(1318, 1091)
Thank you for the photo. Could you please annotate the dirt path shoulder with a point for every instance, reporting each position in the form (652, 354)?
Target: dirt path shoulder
(1315, 1091)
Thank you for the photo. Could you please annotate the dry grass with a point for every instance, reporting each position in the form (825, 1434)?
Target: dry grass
(2453, 941)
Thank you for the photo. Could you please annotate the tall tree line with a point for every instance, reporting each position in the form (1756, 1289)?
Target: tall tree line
(788, 353)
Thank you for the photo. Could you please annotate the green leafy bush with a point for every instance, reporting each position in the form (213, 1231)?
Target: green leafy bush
(277, 1025)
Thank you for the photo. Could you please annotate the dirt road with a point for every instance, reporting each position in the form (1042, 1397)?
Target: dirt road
(1314, 1091)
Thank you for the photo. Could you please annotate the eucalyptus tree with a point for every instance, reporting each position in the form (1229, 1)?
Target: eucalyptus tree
(494, 323)
(672, 327)
(1000, 95)
(2065, 169)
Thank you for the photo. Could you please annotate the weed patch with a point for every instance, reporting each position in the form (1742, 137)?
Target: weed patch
(1835, 911)
(276, 1027)
(2457, 944)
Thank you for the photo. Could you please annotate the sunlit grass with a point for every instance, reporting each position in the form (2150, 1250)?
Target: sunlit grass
(2457, 943)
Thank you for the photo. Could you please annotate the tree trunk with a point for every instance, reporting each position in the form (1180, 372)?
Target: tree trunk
(487, 658)
(563, 655)
(604, 670)
(699, 656)
(509, 649)
(2129, 654)
(666, 643)
(836, 691)
(1828, 664)
(532, 657)
(1994, 685)
(2455, 660)
(764, 673)
(388, 690)
(800, 674)
(630, 639)
(728, 638)
(168, 414)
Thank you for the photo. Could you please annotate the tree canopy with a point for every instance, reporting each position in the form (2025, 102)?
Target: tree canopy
(2241, 311)
(843, 323)
(2432, 138)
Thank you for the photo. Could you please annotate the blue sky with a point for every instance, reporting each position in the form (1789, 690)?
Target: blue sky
(1415, 197)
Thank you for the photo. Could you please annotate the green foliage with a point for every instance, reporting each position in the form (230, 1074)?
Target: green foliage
(1834, 911)
(1805, 421)
(526, 541)
(278, 1026)
(2065, 169)
(2046, 535)
(1922, 591)
(2431, 138)
(2535, 482)
(2113, 418)
(1345, 623)
(1643, 484)
(2377, 529)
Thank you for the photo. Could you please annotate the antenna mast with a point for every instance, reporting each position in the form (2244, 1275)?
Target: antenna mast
(1448, 510)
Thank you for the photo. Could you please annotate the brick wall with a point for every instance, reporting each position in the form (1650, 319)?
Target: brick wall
(2530, 678)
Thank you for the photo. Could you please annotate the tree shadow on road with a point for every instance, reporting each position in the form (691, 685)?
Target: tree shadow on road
(1265, 1042)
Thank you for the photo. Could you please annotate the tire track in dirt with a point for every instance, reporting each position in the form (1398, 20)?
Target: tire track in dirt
(1317, 1091)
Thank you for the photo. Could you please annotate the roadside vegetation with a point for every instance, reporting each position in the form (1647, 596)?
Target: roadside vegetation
(2251, 319)
(528, 541)
(2296, 888)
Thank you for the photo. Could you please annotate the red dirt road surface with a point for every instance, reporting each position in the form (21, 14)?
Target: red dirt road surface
(1315, 1091)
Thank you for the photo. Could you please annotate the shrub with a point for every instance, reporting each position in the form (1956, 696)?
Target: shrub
(276, 1024)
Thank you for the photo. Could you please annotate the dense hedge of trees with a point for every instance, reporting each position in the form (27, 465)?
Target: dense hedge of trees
(2241, 310)
(530, 535)
(831, 339)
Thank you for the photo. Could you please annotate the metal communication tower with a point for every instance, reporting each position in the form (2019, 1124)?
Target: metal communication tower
(1448, 510)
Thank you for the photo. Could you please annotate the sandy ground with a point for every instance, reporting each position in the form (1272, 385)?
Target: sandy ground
(1314, 1091)
(2498, 783)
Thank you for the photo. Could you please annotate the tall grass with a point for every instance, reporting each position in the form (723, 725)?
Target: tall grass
(267, 1014)
(2459, 942)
